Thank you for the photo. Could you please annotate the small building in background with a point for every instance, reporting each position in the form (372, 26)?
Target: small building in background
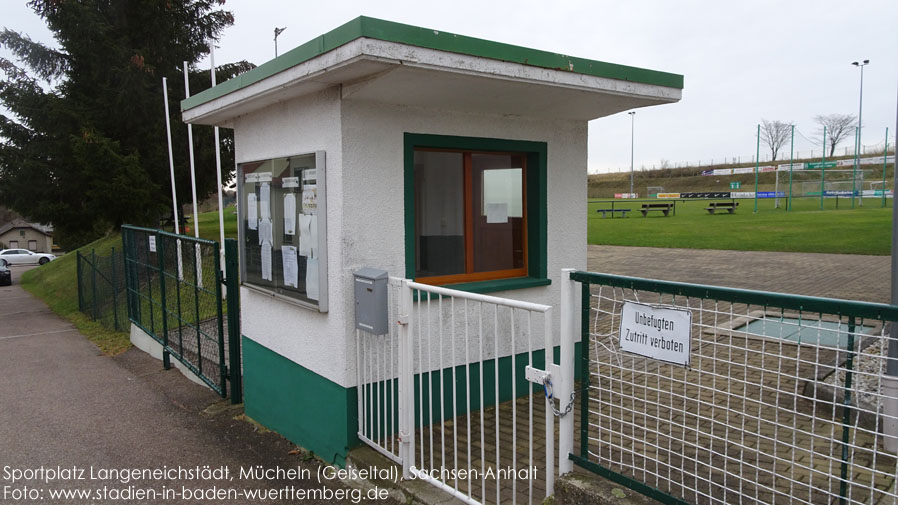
(20, 234)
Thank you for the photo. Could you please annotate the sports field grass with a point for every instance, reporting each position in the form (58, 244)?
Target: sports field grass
(862, 230)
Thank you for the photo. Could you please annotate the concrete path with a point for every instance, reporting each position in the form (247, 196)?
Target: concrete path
(847, 276)
(64, 405)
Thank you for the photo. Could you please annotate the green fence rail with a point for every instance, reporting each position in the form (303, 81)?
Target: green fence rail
(175, 293)
(783, 399)
(101, 289)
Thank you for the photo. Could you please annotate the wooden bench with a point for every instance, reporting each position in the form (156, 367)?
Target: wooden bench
(623, 212)
(664, 208)
(728, 206)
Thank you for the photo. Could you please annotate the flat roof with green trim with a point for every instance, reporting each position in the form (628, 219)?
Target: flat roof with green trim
(432, 39)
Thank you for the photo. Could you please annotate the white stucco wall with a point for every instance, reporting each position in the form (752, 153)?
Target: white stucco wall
(312, 339)
(364, 144)
(373, 212)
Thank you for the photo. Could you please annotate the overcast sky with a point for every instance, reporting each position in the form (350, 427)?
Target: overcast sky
(742, 61)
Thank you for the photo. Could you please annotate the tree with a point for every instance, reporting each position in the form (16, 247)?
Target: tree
(775, 134)
(85, 145)
(838, 128)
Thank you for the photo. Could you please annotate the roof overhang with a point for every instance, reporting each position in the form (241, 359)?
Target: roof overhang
(484, 78)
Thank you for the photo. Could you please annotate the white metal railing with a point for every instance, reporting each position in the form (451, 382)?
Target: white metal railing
(460, 372)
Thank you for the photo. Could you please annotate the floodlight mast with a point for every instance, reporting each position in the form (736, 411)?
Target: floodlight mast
(857, 146)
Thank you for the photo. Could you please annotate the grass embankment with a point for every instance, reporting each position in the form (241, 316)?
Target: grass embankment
(862, 230)
(676, 180)
(56, 283)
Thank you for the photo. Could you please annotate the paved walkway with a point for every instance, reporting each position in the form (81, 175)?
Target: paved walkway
(845, 276)
(63, 404)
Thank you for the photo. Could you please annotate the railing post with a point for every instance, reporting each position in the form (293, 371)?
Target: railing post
(114, 289)
(80, 281)
(406, 384)
(232, 280)
(568, 318)
(160, 252)
(93, 283)
(222, 366)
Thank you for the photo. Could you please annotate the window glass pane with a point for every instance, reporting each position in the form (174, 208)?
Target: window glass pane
(280, 226)
(499, 225)
(439, 214)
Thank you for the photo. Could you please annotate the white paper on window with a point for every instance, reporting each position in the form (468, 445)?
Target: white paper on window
(496, 213)
(313, 237)
(265, 201)
(290, 214)
(252, 214)
(265, 232)
(312, 279)
(266, 261)
(291, 266)
(305, 235)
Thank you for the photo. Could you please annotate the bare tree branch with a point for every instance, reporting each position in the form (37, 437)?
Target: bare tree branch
(838, 128)
(775, 134)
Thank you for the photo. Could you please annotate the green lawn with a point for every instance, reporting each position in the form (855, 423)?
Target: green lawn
(862, 230)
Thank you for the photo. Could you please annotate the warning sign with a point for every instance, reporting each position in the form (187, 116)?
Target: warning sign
(660, 333)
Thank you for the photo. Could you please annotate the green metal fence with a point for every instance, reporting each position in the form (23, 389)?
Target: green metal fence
(783, 399)
(101, 289)
(175, 293)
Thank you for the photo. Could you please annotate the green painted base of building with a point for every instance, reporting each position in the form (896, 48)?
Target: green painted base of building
(304, 407)
(322, 416)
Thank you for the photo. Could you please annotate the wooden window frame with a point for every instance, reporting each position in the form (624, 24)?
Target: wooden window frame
(534, 155)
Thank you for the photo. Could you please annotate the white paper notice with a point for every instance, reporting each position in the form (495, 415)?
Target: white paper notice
(152, 243)
(266, 261)
(265, 232)
(264, 201)
(252, 211)
(290, 214)
(313, 237)
(291, 267)
(656, 332)
(497, 213)
(312, 279)
(305, 235)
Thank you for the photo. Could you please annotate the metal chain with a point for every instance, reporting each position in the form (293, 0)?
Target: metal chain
(550, 396)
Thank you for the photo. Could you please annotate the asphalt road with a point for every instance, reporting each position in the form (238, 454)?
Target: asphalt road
(73, 419)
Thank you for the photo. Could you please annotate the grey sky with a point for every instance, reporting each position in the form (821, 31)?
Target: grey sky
(742, 61)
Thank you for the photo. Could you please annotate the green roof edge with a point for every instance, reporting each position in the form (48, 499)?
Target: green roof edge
(390, 31)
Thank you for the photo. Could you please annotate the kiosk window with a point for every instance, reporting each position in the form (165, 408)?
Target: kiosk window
(470, 216)
(282, 228)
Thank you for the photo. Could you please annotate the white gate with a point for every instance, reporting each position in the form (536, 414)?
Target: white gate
(454, 392)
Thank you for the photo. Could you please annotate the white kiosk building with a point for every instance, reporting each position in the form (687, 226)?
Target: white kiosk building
(437, 157)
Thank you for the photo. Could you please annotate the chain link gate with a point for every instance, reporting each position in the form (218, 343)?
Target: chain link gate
(175, 293)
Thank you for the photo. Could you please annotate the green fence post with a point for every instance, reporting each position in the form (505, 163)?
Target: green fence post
(232, 280)
(823, 169)
(80, 281)
(846, 412)
(885, 157)
(93, 282)
(222, 366)
(114, 289)
(160, 251)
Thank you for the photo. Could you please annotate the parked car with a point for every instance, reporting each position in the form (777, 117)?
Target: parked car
(5, 276)
(24, 257)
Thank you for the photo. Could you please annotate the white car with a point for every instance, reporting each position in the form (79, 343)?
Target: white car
(24, 257)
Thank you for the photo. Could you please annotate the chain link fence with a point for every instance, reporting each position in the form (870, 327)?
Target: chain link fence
(783, 398)
(101, 289)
